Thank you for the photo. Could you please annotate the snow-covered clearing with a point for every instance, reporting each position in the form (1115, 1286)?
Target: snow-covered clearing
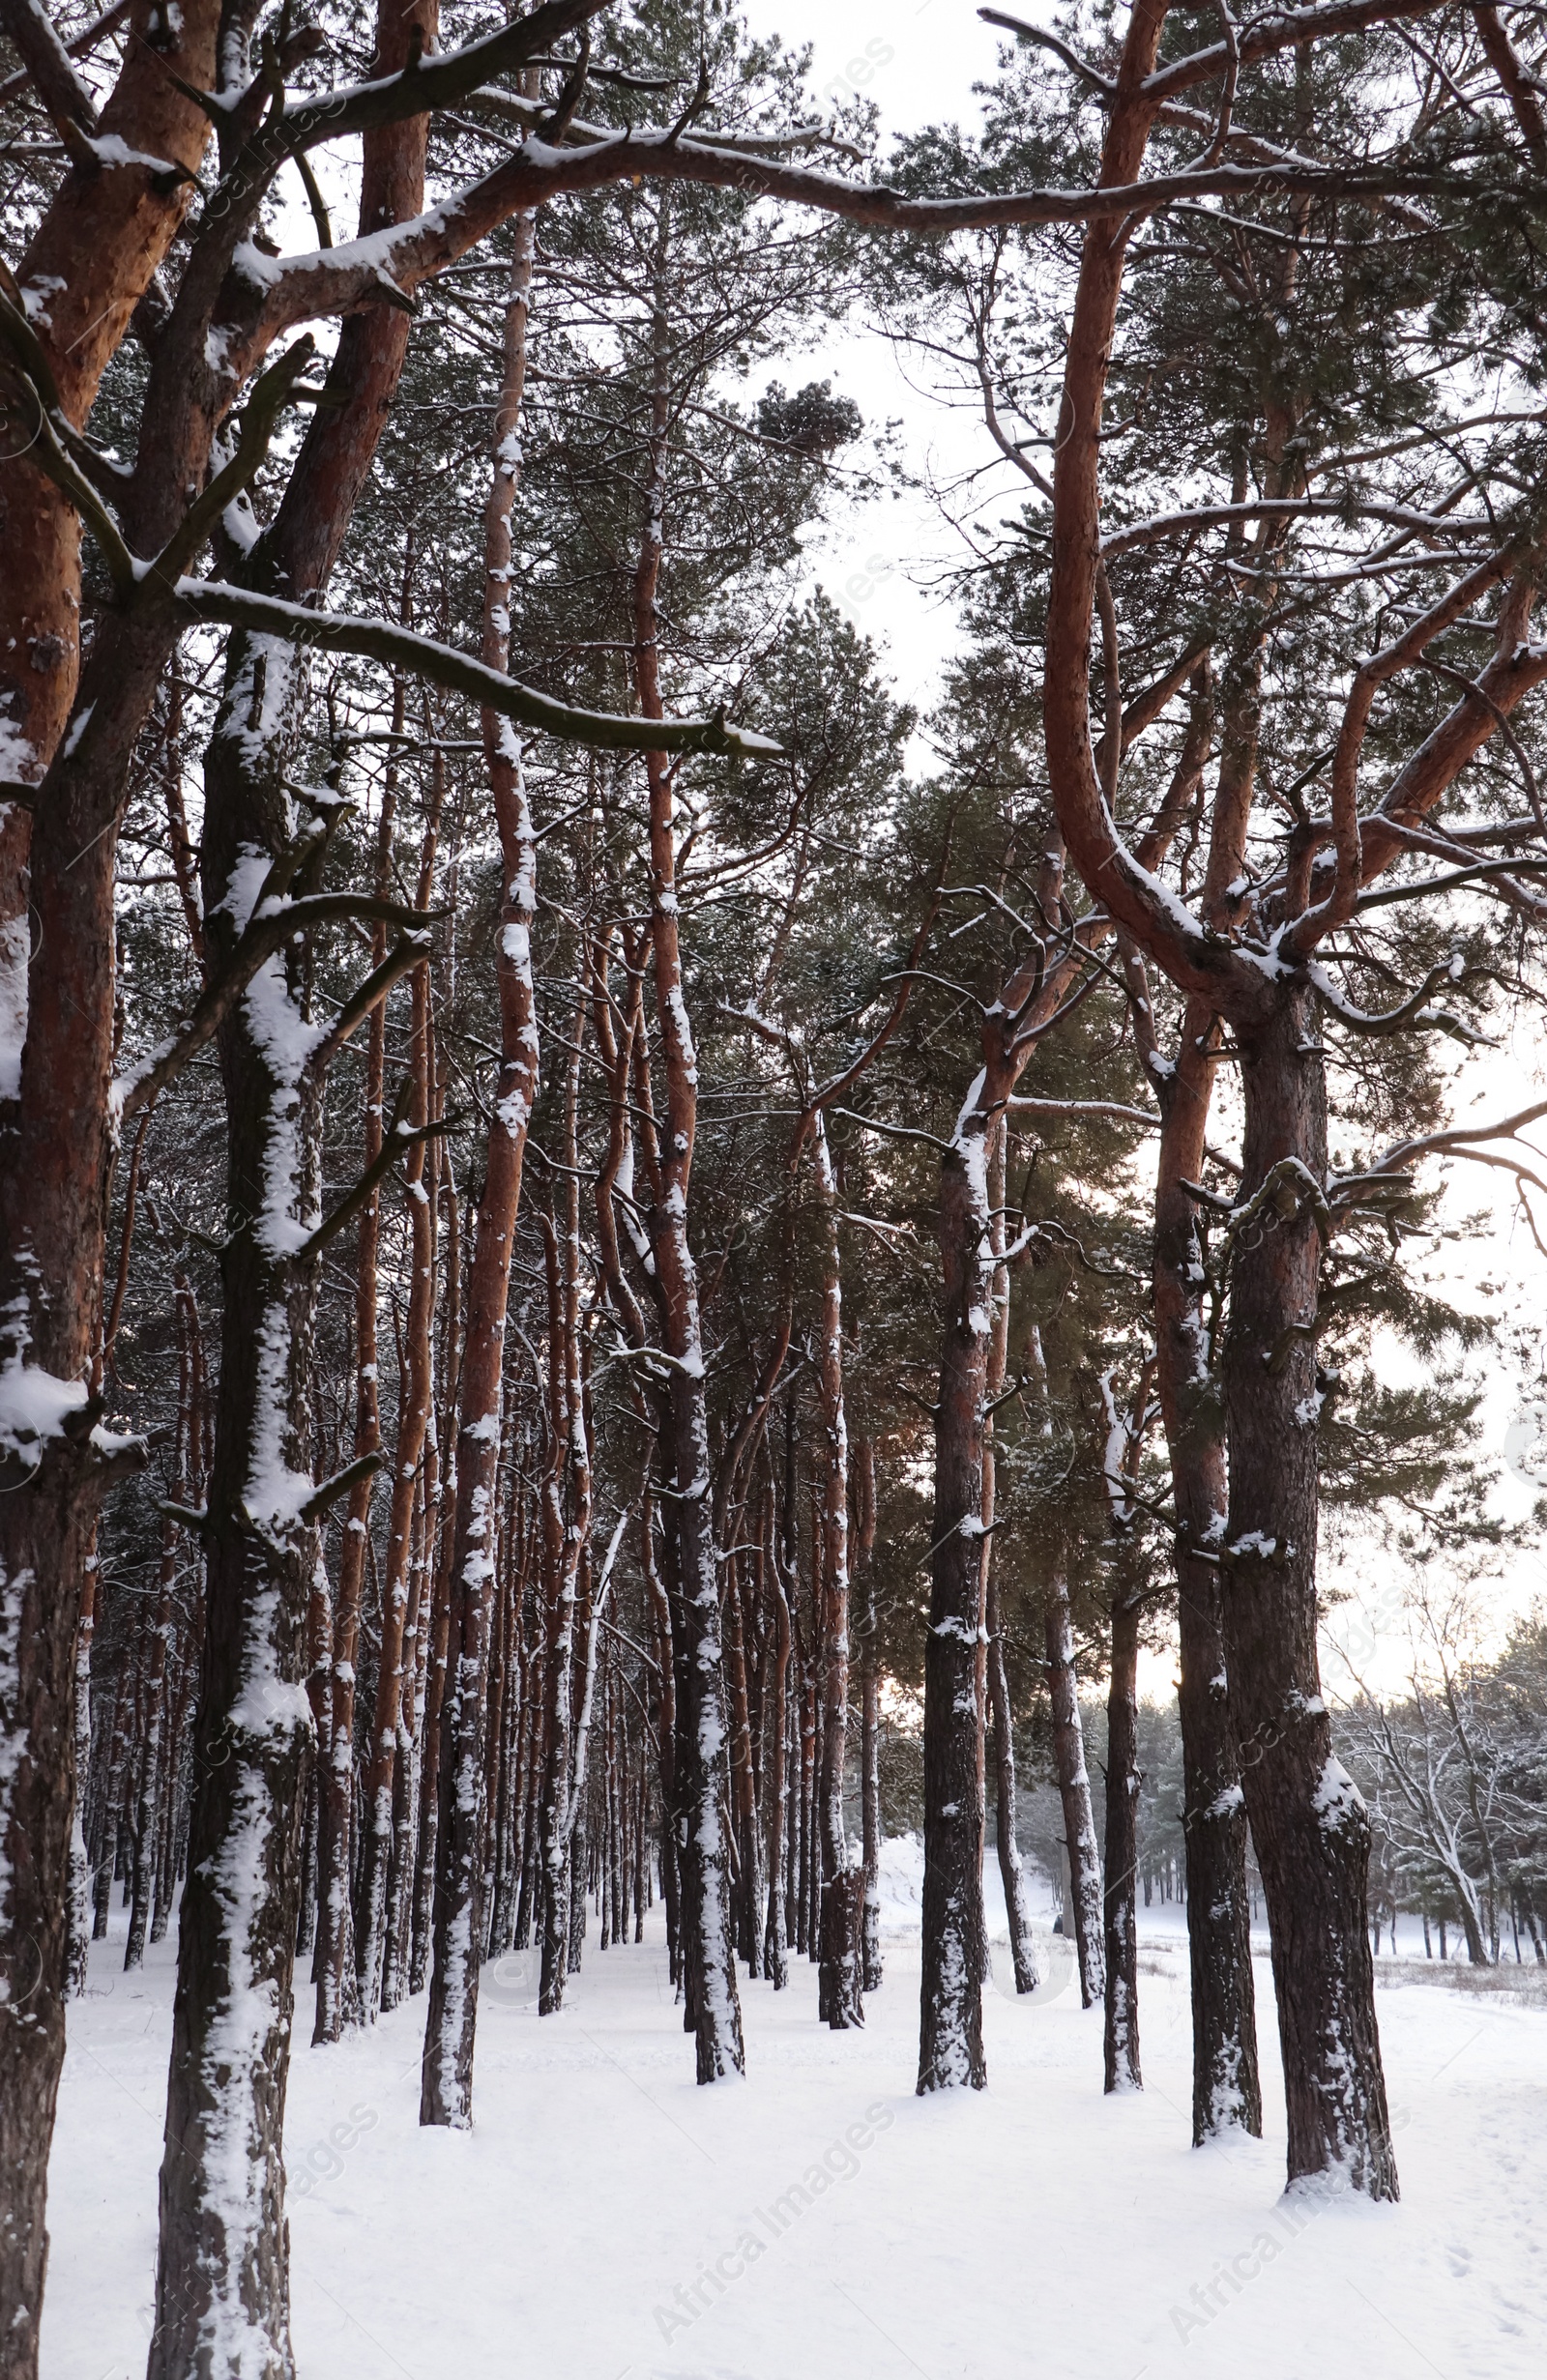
(606, 2218)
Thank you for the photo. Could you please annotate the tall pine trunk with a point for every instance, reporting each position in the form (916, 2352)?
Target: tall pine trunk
(839, 1981)
(777, 1720)
(223, 2280)
(1226, 2089)
(1310, 1826)
(445, 2091)
(951, 2049)
(1011, 1866)
(381, 1781)
(1121, 1920)
(703, 1853)
(871, 1969)
(222, 2267)
(1074, 1792)
(1011, 1869)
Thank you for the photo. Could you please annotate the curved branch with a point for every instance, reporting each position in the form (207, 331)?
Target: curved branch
(1301, 935)
(1414, 1011)
(200, 600)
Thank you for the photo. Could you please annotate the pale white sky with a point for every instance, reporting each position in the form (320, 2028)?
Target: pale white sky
(917, 62)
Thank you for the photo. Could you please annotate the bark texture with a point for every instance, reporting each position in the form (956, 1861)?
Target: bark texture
(1119, 1914)
(446, 2091)
(1310, 1826)
(1074, 1792)
(1226, 2088)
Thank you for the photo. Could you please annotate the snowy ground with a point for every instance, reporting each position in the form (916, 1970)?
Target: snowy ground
(607, 2219)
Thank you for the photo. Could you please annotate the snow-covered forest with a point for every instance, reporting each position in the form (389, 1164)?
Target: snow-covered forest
(772, 1412)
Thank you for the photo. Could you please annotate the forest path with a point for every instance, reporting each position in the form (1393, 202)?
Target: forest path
(606, 2219)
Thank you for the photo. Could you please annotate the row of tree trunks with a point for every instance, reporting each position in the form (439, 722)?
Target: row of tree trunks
(409, 1768)
(133, 1763)
(563, 1479)
(775, 1928)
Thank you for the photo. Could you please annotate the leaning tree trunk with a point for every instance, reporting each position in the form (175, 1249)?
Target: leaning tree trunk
(1310, 1826)
(1074, 1792)
(1226, 2088)
(1011, 1866)
(1121, 2046)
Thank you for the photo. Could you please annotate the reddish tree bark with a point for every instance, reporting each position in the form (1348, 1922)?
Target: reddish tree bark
(446, 2094)
(1226, 2088)
(222, 2281)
